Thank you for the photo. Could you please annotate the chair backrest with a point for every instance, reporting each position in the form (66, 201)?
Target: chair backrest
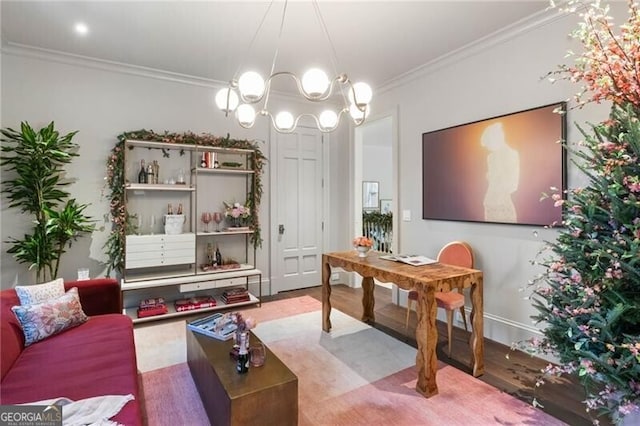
(457, 253)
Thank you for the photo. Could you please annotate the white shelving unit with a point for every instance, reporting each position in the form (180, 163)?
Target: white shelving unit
(172, 266)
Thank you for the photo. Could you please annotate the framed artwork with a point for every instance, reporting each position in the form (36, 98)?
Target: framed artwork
(385, 206)
(497, 170)
(370, 192)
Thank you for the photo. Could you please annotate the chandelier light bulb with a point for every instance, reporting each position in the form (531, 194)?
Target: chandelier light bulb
(315, 82)
(284, 120)
(328, 119)
(251, 86)
(224, 96)
(246, 115)
(363, 93)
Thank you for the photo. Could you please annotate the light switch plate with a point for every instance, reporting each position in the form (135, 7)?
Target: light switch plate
(406, 215)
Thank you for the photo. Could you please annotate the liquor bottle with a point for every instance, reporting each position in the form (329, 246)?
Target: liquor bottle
(150, 174)
(218, 256)
(179, 208)
(243, 354)
(169, 209)
(203, 162)
(142, 176)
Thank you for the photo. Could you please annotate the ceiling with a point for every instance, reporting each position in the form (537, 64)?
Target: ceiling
(374, 41)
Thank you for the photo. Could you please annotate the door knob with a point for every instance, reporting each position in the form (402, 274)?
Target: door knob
(280, 229)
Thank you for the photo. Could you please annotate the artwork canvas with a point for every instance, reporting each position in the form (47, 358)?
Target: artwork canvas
(496, 170)
(370, 195)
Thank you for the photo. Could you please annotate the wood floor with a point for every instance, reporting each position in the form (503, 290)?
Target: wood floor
(515, 375)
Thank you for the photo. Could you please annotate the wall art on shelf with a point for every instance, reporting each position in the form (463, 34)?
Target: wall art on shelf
(497, 170)
(370, 194)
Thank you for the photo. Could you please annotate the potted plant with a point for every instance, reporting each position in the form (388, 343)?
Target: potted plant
(588, 296)
(35, 164)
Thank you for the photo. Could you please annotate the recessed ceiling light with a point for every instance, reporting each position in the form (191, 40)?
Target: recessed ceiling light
(81, 28)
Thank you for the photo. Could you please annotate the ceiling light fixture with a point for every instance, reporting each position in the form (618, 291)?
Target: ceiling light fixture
(81, 28)
(315, 86)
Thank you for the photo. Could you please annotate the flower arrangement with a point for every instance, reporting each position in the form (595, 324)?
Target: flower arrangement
(243, 323)
(362, 242)
(588, 296)
(237, 213)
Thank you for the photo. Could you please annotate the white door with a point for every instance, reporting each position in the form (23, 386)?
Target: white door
(297, 211)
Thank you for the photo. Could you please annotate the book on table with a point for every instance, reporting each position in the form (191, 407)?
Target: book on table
(410, 259)
(218, 326)
(235, 295)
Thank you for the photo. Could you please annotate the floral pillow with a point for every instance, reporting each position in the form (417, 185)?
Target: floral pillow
(42, 320)
(39, 293)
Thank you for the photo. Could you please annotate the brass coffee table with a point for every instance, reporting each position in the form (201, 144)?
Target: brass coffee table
(266, 395)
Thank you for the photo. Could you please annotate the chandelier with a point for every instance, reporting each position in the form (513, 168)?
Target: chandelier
(248, 95)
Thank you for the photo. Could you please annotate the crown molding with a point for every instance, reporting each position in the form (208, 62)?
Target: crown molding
(518, 28)
(23, 50)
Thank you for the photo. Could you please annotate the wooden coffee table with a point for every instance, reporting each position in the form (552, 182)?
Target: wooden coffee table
(266, 395)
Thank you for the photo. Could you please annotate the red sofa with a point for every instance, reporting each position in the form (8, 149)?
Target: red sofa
(93, 359)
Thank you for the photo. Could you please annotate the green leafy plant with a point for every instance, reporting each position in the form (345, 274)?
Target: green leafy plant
(34, 162)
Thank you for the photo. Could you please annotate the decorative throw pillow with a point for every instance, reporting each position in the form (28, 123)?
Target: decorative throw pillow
(42, 320)
(39, 293)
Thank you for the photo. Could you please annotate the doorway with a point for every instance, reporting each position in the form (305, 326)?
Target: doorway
(297, 213)
(375, 160)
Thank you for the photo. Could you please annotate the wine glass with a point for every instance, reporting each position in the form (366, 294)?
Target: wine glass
(139, 224)
(152, 224)
(206, 218)
(217, 218)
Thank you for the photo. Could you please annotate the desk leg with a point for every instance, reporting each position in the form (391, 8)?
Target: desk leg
(476, 342)
(326, 295)
(427, 338)
(368, 301)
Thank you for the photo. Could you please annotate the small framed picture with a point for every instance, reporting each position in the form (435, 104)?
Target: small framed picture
(369, 195)
(385, 206)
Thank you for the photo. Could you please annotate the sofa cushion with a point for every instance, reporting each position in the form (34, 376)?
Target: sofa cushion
(39, 293)
(42, 320)
(97, 358)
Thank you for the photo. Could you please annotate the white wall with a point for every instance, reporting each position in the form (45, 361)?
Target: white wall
(103, 101)
(495, 79)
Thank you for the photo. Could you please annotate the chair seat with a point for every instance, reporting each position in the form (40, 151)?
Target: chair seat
(449, 300)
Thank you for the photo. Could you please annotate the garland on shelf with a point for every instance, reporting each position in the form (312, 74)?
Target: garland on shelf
(121, 221)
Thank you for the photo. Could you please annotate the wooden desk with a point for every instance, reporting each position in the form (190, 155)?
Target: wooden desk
(426, 280)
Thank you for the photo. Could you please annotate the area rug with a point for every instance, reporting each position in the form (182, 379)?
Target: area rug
(355, 375)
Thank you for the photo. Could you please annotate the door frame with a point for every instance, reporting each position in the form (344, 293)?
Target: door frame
(273, 192)
(357, 167)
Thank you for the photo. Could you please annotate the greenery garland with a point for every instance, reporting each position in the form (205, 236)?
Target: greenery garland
(121, 221)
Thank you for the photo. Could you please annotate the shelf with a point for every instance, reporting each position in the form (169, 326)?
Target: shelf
(222, 274)
(225, 150)
(158, 187)
(222, 170)
(160, 145)
(133, 312)
(216, 233)
(157, 280)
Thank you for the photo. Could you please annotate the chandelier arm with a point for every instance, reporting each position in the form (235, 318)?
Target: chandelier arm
(253, 40)
(333, 56)
(275, 53)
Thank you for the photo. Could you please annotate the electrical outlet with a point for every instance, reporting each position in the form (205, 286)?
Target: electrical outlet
(335, 276)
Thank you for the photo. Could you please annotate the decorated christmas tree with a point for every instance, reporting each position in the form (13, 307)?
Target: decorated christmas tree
(588, 298)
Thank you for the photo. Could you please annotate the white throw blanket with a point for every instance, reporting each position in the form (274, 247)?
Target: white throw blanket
(94, 411)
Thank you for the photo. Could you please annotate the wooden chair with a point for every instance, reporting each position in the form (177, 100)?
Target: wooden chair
(456, 253)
